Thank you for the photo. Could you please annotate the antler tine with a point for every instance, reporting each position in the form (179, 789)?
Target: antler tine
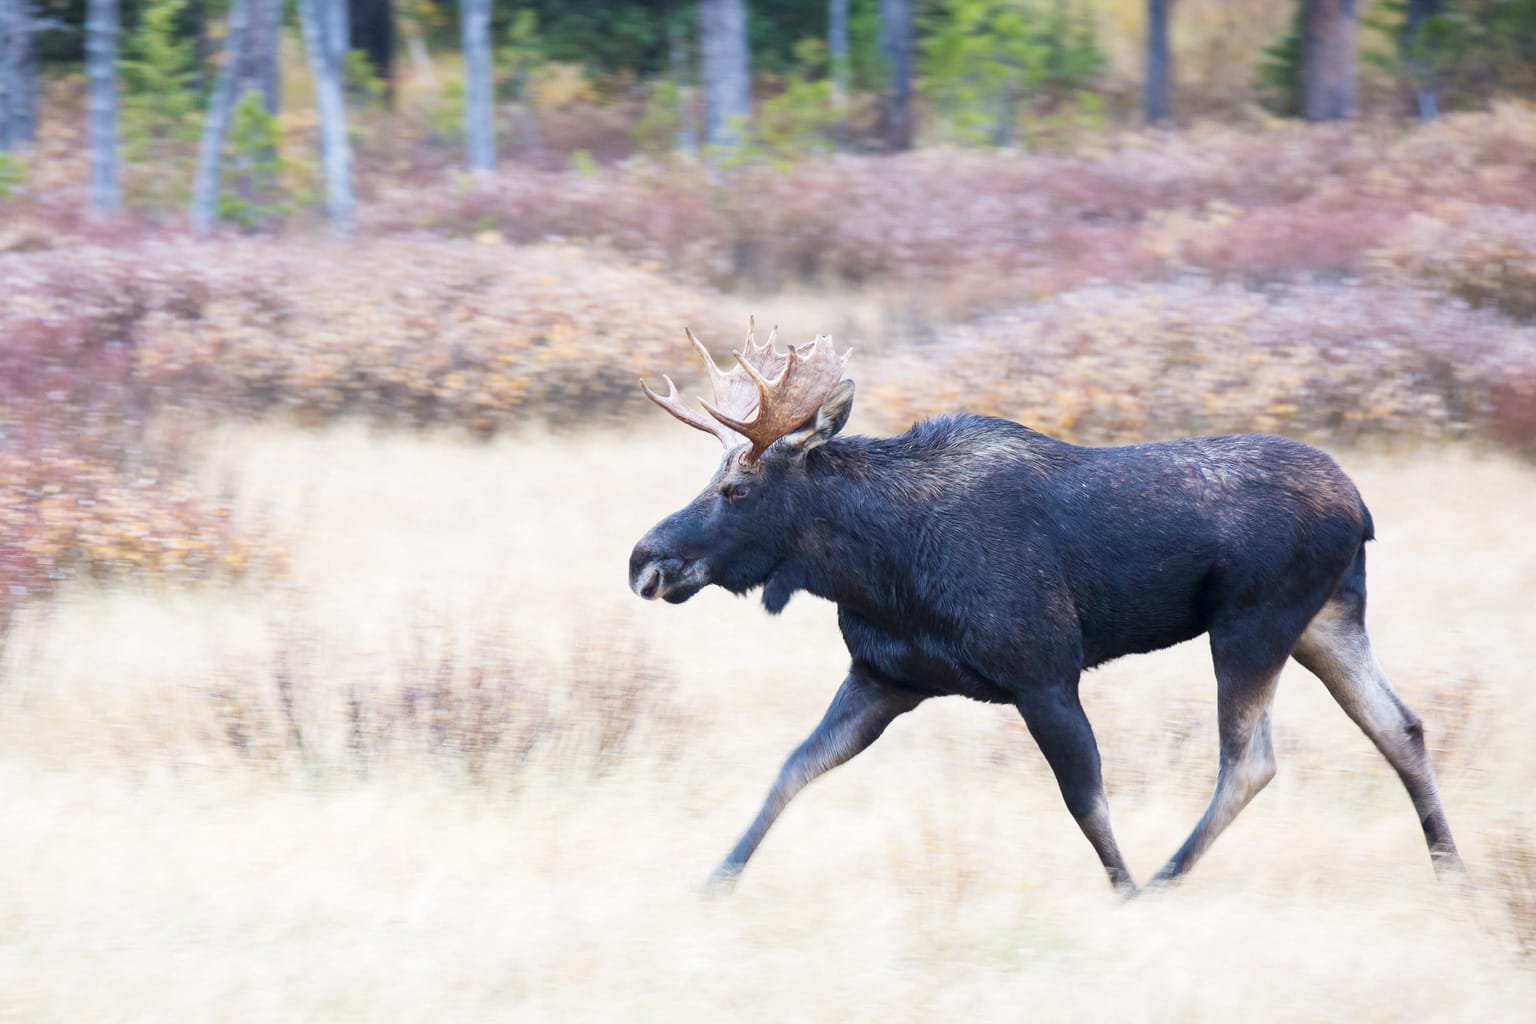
(765, 395)
(734, 393)
(791, 388)
(681, 410)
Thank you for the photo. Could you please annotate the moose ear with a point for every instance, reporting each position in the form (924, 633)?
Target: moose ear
(829, 419)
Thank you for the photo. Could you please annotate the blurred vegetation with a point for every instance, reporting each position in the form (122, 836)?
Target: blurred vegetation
(160, 101)
(257, 190)
(1349, 282)
(991, 69)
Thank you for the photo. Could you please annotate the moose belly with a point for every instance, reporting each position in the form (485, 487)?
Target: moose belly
(918, 661)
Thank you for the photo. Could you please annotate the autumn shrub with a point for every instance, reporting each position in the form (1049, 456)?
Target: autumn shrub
(1483, 254)
(480, 707)
(478, 335)
(1332, 362)
(68, 515)
(1271, 201)
(89, 486)
(1513, 856)
(1310, 238)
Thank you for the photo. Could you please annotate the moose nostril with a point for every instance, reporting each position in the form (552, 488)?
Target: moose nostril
(648, 583)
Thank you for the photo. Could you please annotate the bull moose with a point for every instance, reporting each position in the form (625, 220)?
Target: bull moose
(975, 556)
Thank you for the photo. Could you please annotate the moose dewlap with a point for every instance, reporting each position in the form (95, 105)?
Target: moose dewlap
(974, 556)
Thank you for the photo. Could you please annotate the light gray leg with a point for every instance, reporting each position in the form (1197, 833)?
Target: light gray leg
(1336, 649)
(860, 712)
(1243, 699)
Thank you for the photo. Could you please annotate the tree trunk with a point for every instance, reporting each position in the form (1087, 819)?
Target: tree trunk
(373, 32)
(10, 21)
(837, 51)
(106, 193)
(1328, 60)
(205, 187)
(1007, 114)
(18, 74)
(317, 22)
(726, 69)
(260, 70)
(896, 48)
(338, 33)
(1154, 95)
(1418, 58)
(677, 56)
(479, 116)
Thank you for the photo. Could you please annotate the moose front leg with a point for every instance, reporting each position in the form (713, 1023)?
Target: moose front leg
(859, 713)
(1056, 720)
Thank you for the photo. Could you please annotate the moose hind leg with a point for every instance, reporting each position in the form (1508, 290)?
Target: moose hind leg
(1337, 649)
(859, 713)
(1245, 692)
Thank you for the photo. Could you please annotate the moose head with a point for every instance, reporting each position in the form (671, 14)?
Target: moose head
(771, 411)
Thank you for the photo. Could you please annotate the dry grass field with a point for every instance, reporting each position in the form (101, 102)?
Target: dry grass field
(450, 769)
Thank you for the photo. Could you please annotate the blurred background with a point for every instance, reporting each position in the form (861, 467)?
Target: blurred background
(322, 693)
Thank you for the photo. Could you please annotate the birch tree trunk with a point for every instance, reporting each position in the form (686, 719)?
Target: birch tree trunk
(837, 51)
(725, 65)
(896, 48)
(260, 70)
(18, 74)
(106, 193)
(1328, 60)
(24, 113)
(479, 124)
(1154, 93)
(10, 17)
(205, 187)
(317, 23)
(677, 56)
(338, 33)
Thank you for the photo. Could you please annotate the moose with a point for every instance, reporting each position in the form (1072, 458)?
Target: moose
(974, 556)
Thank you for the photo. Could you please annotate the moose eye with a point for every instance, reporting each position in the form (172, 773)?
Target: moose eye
(737, 492)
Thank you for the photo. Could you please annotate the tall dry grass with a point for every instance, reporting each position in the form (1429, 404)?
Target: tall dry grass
(153, 868)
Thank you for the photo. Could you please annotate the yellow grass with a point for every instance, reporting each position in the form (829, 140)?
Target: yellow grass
(147, 873)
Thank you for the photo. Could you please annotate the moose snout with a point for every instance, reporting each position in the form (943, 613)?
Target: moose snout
(650, 571)
(657, 573)
(648, 582)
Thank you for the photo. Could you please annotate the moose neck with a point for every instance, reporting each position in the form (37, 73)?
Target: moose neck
(856, 536)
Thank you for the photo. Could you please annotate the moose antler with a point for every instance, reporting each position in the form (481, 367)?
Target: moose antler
(766, 394)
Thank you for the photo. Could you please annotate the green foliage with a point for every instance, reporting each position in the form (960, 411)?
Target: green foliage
(13, 174)
(799, 120)
(160, 104)
(865, 63)
(254, 193)
(448, 114)
(656, 131)
(360, 80)
(520, 55)
(1280, 70)
(1469, 51)
(584, 163)
(987, 62)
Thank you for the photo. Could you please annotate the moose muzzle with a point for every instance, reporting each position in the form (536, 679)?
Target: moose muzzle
(656, 575)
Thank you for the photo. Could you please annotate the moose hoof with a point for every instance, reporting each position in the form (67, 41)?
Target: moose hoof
(722, 881)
